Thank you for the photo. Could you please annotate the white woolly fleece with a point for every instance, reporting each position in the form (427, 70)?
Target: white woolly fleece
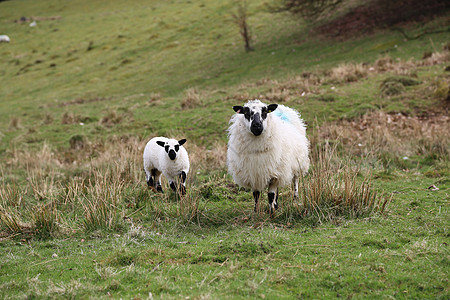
(155, 157)
(280, 152)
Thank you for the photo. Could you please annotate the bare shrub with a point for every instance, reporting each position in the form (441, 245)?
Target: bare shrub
(240, 18)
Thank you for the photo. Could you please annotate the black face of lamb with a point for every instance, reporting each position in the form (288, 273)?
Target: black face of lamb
(171, 152)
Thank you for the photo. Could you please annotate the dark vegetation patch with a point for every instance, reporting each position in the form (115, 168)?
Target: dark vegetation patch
(381, 14)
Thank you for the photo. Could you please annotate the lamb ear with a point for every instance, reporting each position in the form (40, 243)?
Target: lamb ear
(160, 143)
(181, 142)
(238, 109)
(272, 107)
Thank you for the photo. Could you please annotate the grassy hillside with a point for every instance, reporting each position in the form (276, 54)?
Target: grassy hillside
(83, 90)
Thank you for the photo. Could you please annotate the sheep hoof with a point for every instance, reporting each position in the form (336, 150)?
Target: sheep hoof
(159, 189)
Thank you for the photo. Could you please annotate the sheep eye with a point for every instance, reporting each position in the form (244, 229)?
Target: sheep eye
(264, 113)
(247, 113)
(167, 148)
(177, 147)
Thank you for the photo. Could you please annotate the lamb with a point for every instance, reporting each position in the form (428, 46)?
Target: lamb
(267, 147)
(168, 157)
(4, 39)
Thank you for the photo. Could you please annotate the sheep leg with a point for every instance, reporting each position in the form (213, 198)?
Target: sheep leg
(295, 181)
(150, 178)
(183, 183)
(273, 196)
(256, 197)
(172, 185)
(158, 181)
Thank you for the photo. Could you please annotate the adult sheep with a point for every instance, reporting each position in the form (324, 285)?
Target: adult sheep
(267, 147)
(168, 157)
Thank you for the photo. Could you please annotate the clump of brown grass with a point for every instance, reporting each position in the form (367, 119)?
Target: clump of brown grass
(101, 202)
(204, 159)
(154, 99)
(332, 190)
(191, 99)
(45, 220)
(14, 123)
(276, 94)
(435, 58)
(69, 118)
(48, 119)
(11, 221)
(378, 134)
(111, 118)
(348, 73)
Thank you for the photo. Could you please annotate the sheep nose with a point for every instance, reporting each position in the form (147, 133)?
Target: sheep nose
(172, 154)
(256, 128)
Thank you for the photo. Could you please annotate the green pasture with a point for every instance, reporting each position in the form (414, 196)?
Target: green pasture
(112, 74)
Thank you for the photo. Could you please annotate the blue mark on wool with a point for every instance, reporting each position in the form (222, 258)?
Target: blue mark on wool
(281, 115)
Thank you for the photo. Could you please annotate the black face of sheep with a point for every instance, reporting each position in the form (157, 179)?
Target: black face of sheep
(255, 116)
(171, 150)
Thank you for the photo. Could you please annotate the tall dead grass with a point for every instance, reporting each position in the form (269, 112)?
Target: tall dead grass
(390, 137)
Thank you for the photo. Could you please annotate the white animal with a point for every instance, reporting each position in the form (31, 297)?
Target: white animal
(267, 147)
(168, 157)
(4, 39)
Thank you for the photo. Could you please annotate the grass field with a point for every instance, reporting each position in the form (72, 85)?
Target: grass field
(83, 90)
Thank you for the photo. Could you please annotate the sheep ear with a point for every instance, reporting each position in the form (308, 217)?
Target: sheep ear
(272, 107)
(181, 142)
(238, 109)
(160, 143)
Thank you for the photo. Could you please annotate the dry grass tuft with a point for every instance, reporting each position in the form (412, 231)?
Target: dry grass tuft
(332, 191)
(11, 222)
(14, 123)
(191, 99)
(381, 135)
(69, 118)
(154, 99)
(203, 159)
(111, 118)
(348, 73)
(48, 119)
(45, 220)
